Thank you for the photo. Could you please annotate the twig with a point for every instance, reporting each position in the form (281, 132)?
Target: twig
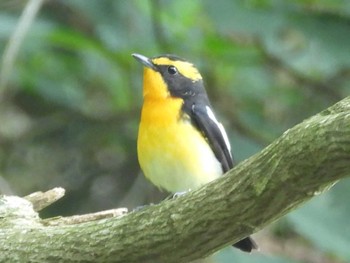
(26, 20)
(40, 200)
(78, 219)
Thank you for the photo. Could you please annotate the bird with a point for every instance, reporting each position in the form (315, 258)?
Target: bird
(181, 145)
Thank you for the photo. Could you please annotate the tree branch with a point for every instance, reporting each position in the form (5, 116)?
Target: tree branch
(303, 162)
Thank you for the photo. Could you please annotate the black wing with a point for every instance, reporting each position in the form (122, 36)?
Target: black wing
(204, 119)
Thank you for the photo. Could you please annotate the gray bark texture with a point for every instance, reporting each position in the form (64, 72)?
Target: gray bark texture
(305, 161)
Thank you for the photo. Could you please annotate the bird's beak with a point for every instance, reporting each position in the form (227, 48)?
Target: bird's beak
(145, 61)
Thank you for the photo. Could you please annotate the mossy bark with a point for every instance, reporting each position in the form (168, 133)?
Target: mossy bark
(303, 162)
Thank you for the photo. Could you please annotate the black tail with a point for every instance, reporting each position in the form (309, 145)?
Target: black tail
(247, 244)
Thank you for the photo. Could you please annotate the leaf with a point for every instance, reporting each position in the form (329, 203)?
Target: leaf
(325, 220)
(229, 255)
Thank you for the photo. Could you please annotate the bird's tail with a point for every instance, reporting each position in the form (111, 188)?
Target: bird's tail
(247, 244)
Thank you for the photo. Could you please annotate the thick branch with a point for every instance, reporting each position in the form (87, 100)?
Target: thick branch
(303, 162)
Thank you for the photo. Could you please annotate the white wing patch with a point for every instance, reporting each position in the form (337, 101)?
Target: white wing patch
(221, 127)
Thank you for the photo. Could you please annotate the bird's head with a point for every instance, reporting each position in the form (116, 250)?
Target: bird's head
(170, 76)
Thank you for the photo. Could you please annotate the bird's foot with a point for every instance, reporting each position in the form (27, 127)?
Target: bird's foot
(178, 194)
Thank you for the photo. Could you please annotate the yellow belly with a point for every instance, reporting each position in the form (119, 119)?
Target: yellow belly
(173, 154)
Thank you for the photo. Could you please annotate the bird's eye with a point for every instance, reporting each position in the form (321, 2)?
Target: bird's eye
(172, 70)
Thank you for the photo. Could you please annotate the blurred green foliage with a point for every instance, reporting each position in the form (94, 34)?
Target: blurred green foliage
(70, 112)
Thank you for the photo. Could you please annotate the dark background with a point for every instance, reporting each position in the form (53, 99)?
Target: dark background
(69, 112)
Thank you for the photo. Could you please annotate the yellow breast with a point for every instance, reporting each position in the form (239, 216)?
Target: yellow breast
(172, 153)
